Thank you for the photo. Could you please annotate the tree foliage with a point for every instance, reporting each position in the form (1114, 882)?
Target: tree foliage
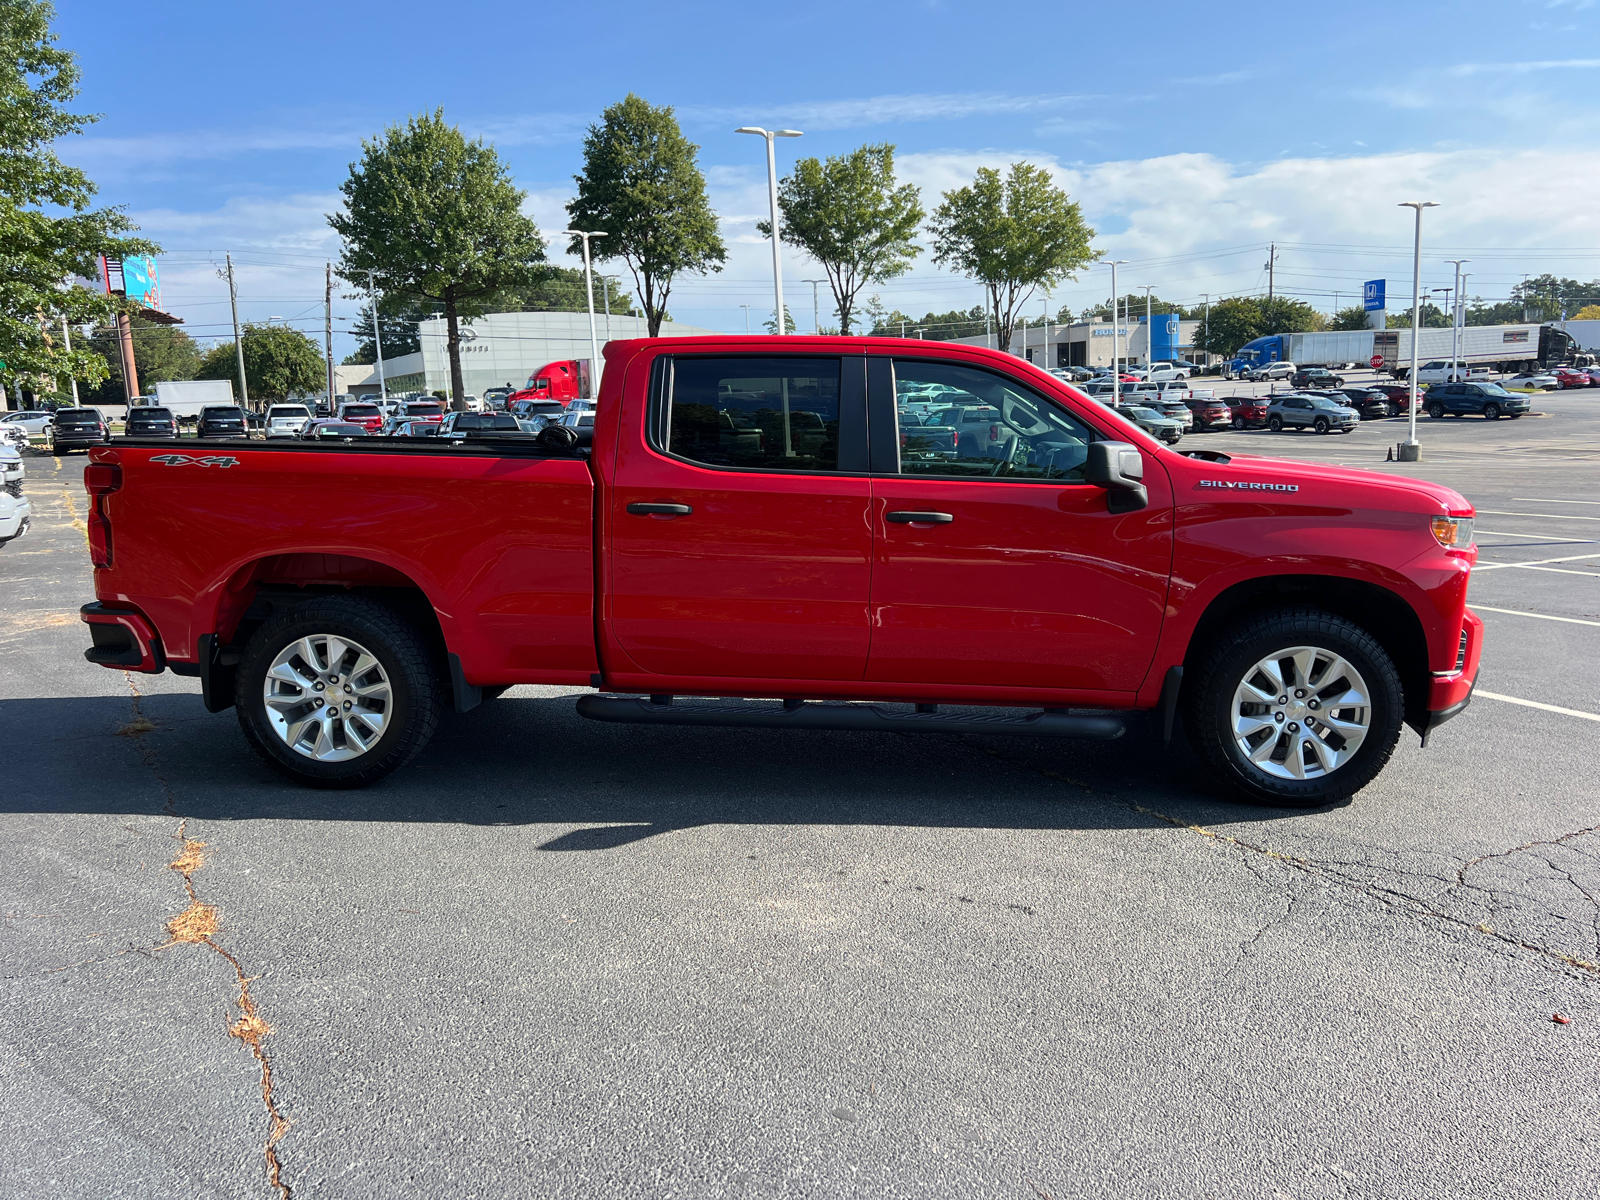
(1235, 320)
(562, 289)
(279, 362)
(1014, 235)
(48, 232)
(161, 353)
(935, 327)
(643, 189)
(436, 216)
(1354, 317)
(1589, 312)
(1433, 317)
(397, 325)
(850, 215)
(1131, 307)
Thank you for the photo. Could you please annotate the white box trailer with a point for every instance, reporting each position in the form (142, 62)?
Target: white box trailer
(1333, 349)
(1507, 348)
(188, 396)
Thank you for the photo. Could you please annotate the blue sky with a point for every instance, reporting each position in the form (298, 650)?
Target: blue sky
(1192, 134)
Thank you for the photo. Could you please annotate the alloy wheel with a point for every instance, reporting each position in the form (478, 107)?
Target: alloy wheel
(327, 697)
(1301, 712)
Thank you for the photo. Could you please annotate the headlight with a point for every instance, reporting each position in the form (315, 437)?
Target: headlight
(1453, 533)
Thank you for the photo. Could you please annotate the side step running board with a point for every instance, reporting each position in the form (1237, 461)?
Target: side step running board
(861, 717)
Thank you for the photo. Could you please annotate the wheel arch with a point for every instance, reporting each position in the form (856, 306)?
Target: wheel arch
(1381, 612)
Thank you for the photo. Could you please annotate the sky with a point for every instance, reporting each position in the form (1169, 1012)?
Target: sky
(1192, 134)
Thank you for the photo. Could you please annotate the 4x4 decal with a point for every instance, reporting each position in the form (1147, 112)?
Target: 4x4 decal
(190, 460)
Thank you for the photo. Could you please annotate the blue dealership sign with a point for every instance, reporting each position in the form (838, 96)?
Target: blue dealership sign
(1163, 337)
(1372, 295)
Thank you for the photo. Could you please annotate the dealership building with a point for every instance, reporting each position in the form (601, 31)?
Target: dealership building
(499, 349)
(1094, 343)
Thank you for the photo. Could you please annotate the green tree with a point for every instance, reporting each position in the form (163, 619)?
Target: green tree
(1433, 317)
(937, 327)
(851, 216)
(1230, 324)
(771, 324)
(161, 353)
(1014, 235)
(1131, 307)
(279, 362)
(1352, 318)
(643, 189)
(398, 317)
(562, 289)
(1282, 315)
(48, 232)
(436, 216)
(1589, 312)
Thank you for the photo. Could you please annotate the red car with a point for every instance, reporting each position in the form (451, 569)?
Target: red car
(368, 416)
(1399, 394)
(1298, 614)
(1248, 412)
(1566, 377)
(1210, 414)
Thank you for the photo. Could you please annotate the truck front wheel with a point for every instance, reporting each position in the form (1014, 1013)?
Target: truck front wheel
(338, 691)
(1296, 707)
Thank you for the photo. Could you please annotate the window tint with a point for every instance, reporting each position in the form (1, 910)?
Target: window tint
(761, 414)
(982, 426)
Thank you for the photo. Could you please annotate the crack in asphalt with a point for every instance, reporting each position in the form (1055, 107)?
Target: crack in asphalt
(1402, 903)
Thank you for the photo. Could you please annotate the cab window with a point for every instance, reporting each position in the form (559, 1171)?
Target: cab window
(770, 413)
(959, 422)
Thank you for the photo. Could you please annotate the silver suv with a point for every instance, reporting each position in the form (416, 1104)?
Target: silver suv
(1310, 412)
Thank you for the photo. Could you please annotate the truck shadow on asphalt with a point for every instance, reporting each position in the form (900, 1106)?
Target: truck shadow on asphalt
(534, 761)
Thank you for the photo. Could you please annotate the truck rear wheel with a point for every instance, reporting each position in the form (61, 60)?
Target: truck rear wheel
(338, 691)
(1297, 708)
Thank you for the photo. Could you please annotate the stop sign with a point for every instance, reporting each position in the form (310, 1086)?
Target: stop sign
(1377, 362)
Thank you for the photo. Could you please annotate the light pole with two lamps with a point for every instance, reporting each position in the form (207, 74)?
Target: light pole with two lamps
(588, 283)
(772, 200)
(1116, 338)
(1410, 450)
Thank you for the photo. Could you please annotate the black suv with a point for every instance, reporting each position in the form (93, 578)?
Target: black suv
(1459, 399)
(221, 421)
(1369, 402)
(78, 429)
(1316, 377)
(150, 423)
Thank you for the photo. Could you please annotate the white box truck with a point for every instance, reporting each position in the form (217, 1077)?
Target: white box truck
(1507, 348)
(188, 396)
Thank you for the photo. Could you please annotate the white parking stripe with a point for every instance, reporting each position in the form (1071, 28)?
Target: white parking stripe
(1549, 537)
(1495, 512)
(1564, 571)
(1517, 612)
(1547, 500)
(1538, 562)
(1566, 712)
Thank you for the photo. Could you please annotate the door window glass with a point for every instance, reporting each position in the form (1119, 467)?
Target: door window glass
(761, 414)
(959, 422)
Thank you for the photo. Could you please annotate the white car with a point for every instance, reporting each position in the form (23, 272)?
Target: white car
(14, 435)
(34, 422)
(1537, 380)
(11, 470)
(15, 511)
(287, 420)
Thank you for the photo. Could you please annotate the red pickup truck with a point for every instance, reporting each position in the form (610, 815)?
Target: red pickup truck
(744, 520)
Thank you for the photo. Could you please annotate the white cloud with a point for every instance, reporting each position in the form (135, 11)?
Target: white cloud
(882, 110)
(1524, 68)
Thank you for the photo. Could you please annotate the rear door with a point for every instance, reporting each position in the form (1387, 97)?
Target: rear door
(740, 544)
(998, 566)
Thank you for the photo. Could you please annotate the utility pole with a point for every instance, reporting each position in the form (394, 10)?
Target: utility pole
(816, 310)
(238, 342)
(1045, 300)
(605, 294)
(1455, 322)
(377, 337)
(327, 329)
(1272, 265)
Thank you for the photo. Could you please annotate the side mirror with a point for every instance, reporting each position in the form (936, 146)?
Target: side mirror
(1119, 468)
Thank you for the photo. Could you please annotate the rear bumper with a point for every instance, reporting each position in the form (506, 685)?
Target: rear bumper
(123, 640)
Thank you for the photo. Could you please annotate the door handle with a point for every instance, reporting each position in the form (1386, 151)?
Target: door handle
(919, 518)
(665, 510)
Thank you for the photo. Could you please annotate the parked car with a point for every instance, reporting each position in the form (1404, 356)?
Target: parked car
(412, 429)
(1460, 399)
(1370, 402)
(1440, 371)
(12, 470)
(369, 414)
(152, 422)
(1316, 377)
(78, 429)
(494, 399)
(1593, 373)
(1173, 409)
(1571, 377)
(1163, 372)
(1072, 374)
(1247, 412)
(1209, 413)
(221, 421)
(1295, 411)
(1538, 381)
(287, 420)
(33, 421)
(331, 428)
(459, 424)
(14, 435)
(422, 410)
(1157, 425)
(16, 511)
(1277, 370)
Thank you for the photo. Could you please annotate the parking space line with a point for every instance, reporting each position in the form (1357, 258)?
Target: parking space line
(1564, 571)
(1549, 537)
(1538, 562)
(1555, 708)
(1495, 512)
(1547, 500)
(1517, 612)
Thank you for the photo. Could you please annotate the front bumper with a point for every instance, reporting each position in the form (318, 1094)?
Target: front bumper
(1449, 692)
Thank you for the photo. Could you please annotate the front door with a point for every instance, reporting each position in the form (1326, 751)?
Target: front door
(996, 564)
(739, 536)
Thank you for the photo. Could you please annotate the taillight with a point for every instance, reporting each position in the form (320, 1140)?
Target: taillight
(994, 433)
(100, 480)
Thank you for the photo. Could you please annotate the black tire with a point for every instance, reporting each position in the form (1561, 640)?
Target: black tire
(1491, 412)
(1436, 411)
(405, 657)
(1208, 703)
(1275, 424)
(1238, 422)
(1320, 424)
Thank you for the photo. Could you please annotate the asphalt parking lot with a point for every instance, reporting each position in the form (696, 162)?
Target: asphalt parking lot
(556, 958)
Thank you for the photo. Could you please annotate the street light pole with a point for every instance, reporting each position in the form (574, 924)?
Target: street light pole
(816, 311)
(1455, 323)
(377, 340)
(772, 201)
(746, 308)
(1206, 296)
(588, 281)
(1149, 331)
(1116, 339)
(1411, 451)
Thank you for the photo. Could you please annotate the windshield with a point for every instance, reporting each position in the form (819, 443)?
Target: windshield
(361, 410)
(1134, 410)
(424, 410)
(1492, 389)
